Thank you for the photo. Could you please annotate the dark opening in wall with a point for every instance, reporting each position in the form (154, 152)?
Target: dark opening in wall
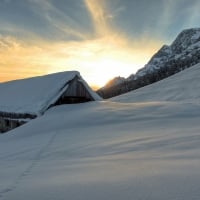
(7, 123)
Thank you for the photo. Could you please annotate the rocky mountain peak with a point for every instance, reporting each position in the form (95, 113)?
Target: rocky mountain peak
(185, 39)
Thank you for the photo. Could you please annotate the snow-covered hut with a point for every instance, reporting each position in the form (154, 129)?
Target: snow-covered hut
(26, 99)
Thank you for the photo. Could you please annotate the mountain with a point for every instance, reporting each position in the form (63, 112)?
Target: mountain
(185, 46)
(180, 87)
(115, 81)
(181, 54)
(140, 145)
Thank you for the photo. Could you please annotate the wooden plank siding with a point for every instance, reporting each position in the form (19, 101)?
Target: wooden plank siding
(75, 93)
(9, 124)
(77, 89)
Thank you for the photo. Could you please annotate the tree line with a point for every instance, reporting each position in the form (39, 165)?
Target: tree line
(170, 67)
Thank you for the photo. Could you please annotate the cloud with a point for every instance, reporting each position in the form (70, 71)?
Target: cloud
(176, 16)
(18, 60)
(97, 10)
(99, 55)
(98, 59)
(60, 20)
(167, 14)
(193, 14)
(46, 19)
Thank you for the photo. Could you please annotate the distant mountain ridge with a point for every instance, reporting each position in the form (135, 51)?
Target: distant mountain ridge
(115, 81)
(183, 53)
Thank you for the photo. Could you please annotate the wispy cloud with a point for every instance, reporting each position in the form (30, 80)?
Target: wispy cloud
(194, 14)
(44, 19)
(176, 16)
(97, 10)
(60, 20)
(167, 15)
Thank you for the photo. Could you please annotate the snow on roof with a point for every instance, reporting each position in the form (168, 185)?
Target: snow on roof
(35, 95)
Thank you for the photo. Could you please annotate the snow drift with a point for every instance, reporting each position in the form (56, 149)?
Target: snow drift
(142, 145)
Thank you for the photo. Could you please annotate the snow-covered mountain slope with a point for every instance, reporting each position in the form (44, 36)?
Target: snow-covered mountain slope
(149, 149)
(115, 81)
(185, 46)
(183, 86)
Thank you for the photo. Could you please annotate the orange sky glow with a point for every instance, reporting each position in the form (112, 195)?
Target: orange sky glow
(98, 60)
(106, 55)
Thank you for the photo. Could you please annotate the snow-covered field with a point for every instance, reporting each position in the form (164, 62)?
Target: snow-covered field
(144, 145)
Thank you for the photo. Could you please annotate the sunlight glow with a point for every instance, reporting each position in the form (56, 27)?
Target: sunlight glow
(98, 60)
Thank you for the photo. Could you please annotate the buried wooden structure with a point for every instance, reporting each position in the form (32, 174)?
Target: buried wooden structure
(27, 99)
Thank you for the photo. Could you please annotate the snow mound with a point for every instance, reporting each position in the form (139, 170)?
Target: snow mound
(107, 150)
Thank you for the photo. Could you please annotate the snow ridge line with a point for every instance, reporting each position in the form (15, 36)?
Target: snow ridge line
(28, 170)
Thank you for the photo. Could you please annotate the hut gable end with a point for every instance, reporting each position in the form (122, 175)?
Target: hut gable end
(76, 92)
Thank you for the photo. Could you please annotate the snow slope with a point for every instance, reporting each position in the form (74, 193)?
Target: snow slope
(183, 86)
(149, 149)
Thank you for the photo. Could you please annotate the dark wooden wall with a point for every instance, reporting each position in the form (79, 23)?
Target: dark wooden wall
(9, 124)
(75, 93)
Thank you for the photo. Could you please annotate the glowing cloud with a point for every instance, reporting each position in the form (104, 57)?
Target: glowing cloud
(98, 13)
(99, 58)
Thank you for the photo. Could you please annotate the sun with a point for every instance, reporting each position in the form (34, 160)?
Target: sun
(106, 69)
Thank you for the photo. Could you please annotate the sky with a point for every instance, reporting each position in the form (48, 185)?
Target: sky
(101, 39)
